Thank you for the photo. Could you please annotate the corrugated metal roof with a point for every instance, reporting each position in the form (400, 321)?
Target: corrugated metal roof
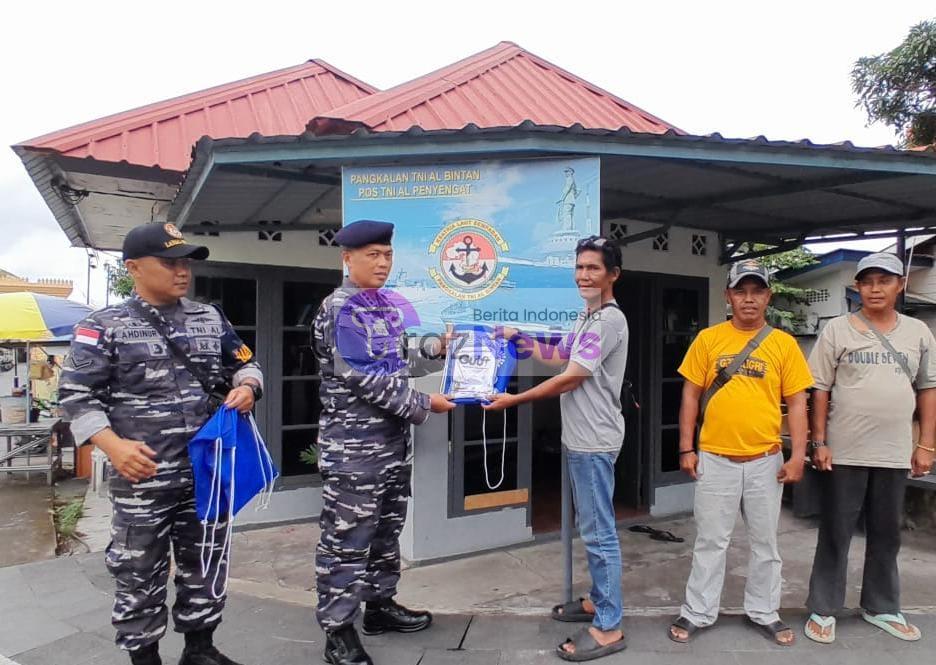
(503, 85)
(162, 134)
(362, 132)
(706, 182)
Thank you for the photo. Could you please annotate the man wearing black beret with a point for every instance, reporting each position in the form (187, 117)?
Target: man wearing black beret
(367, 409)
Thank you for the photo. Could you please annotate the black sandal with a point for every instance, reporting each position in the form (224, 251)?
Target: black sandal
(588, 648)
(656, 534)
(572, 612)
(686, 625)
(666, 536)
(772, 630)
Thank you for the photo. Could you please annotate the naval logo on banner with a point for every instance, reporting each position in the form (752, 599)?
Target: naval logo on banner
(467, 252)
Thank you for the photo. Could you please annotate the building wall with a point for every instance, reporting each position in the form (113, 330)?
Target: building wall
(301, 249)
(834, 283)
(677, 259)
(60, 288)
(923, 282)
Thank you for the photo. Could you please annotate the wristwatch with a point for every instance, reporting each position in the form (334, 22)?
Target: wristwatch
(256, 390)
(816, 443)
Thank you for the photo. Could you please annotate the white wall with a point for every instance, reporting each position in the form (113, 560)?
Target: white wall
(678, 260)
(923, 282)
(835, 280)
(297, 248)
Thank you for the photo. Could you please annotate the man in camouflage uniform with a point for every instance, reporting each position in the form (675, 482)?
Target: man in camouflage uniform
(367, 410)
(125, 391)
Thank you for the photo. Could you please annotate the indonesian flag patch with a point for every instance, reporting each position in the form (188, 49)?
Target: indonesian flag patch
(87, 336)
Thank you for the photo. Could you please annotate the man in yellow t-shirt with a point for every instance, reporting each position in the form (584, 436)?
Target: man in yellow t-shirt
(740, 464)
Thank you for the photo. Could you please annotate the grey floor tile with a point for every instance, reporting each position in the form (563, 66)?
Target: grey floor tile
(77, 649)
(460, 657)
(446, 632)
(29, 629)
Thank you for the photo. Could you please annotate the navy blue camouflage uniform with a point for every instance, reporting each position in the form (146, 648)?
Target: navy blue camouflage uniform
(367, 409)
(120, 374)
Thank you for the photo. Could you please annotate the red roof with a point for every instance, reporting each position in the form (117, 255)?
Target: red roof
(162, 134)
(501, 86)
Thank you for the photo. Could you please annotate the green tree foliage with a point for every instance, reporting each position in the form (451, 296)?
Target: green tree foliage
(899, 88)
(120, 281)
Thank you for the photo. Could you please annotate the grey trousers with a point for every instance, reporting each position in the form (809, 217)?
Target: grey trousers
(846, 490)
(723, 488)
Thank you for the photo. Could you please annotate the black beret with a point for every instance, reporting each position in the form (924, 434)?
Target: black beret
(364, 232)
(162, 240)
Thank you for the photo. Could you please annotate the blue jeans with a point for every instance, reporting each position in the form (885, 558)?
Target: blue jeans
(592, 476)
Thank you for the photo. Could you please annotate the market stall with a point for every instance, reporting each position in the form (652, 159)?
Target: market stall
(30, 430)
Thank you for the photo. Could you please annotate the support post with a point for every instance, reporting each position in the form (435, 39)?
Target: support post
(566, 529)
(902, 254)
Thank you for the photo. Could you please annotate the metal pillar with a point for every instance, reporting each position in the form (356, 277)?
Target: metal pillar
(902, 253)
(566, 532)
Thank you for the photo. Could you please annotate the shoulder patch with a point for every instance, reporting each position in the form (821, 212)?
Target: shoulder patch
(87, 336)
(244, 354)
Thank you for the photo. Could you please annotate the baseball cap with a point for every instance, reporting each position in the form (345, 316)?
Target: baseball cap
(161, 240)
(748, 268)
(885, 261)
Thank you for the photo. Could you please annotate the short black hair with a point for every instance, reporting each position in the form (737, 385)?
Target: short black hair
(610, 251)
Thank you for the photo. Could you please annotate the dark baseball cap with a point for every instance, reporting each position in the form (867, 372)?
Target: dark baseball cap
(161, 240)
(748, 268)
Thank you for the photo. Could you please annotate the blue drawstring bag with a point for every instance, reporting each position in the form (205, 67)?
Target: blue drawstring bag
(477, 365)
(230, 465)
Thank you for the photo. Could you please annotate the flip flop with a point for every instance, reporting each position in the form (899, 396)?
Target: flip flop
(641, 528)
(822, 622)
(656, 534)
(773, 630)
(588, 648)
(572, 612)
(686, 625)
(884, 621)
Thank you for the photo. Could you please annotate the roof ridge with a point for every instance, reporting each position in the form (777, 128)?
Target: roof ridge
(473, 65)
(428, 86)
(345, 75)
(176, 105)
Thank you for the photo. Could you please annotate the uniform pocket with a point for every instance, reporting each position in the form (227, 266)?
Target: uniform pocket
(118, 549)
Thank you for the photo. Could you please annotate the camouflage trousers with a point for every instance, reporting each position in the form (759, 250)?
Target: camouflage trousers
(147, 526)
(358, 555)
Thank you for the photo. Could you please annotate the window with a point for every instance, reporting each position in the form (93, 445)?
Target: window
(817, 295)
(617, 230)
(699, 245)
(274, 236)
(661, 242)
(204, 229)
(326, 237)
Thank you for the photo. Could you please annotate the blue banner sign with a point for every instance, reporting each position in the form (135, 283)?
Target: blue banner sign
(483, 242)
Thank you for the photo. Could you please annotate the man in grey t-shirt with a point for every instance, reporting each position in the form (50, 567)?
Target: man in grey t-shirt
(866, 391)
(592, 432)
